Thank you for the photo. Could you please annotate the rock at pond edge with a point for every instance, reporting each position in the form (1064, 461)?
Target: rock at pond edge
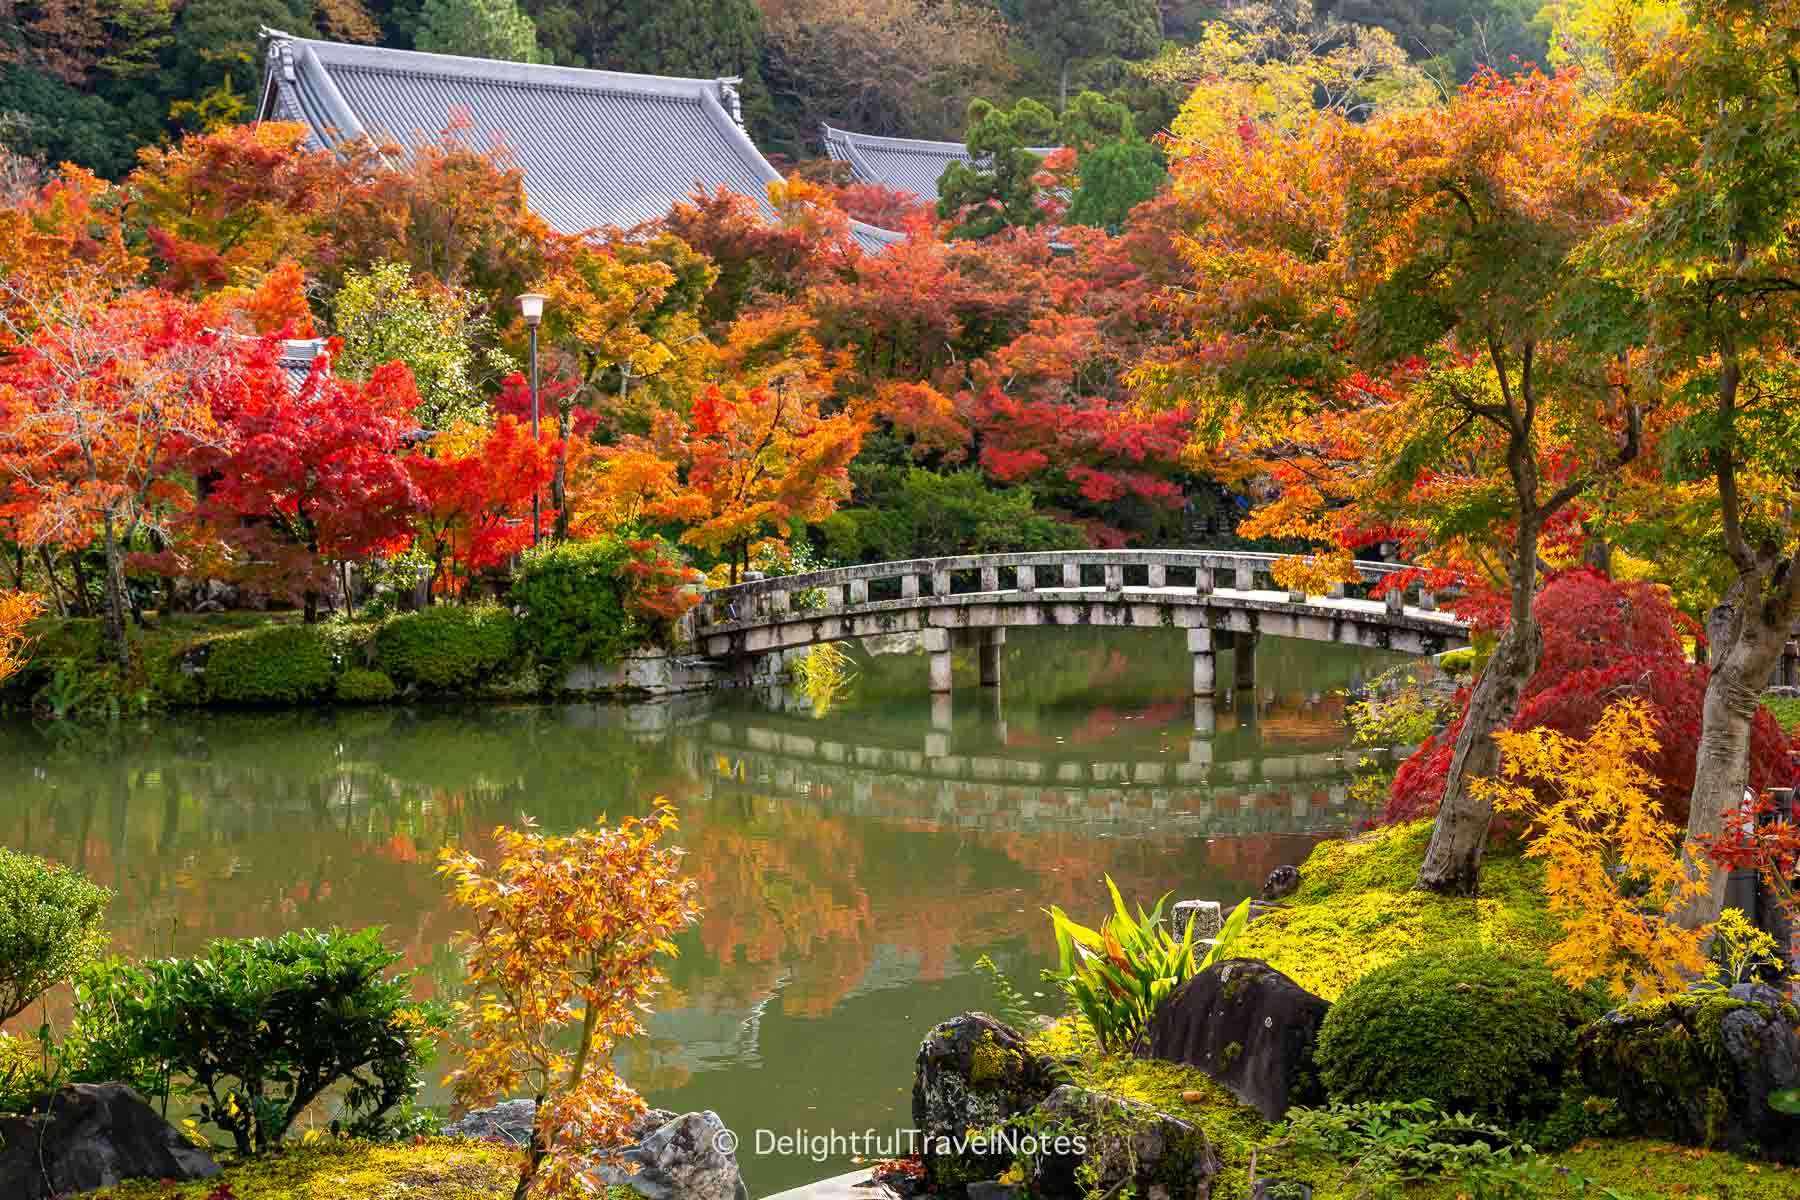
(1124, 1143)
(84, 1136)
(972, 1072)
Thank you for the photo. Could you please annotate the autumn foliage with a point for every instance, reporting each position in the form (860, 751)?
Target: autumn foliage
(16, 611)
(568, 931)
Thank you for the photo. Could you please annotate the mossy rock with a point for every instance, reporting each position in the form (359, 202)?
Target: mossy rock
(1123, 1144)
(1699, 1068)
(973, 1073)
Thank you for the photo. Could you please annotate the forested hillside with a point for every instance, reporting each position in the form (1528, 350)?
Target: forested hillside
(90, 81)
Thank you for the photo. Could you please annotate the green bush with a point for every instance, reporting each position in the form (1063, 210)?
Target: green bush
(1475, 1030)
(258, 1029)
(573, 603)
(277, 664)
(49, 927)
(914, 513)
(359, 686)
(448, 649)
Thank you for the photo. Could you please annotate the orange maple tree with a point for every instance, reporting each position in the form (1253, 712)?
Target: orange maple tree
(568, 931)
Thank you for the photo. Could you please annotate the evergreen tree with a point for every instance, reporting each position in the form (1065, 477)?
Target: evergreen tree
(1118, 169)
(996, 191)
(1070, 31)
(478, 28)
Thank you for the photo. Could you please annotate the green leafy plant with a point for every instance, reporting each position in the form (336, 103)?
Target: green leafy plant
(1009, 1001)
(574, 598)
(446, 648)
(258, 1029)
(1117, 975)
(49, 927)
(359, 686)
(1786, 1101)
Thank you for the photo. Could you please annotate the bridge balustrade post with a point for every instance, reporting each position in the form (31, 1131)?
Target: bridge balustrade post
(990, 579)
(857, 591)
(1338, 591)
(1027, 578)
(992, 642)
(1243, 577)
(940, 583)
(1159, 575)
(835, 596)
(1115, 577)
(909, 586)
(1296, 595)
(1427, 600)
(1396, 600)
(1071, 575)
(1203, 579)
(778, 604)
(1200, 645)
(937, 645)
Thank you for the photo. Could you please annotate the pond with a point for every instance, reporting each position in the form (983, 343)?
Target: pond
(853, 863)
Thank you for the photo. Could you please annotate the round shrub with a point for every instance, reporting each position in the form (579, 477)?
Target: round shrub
(49, 927)
(278, 664)
(1477, 1030)
(448, 649)
(357, 686)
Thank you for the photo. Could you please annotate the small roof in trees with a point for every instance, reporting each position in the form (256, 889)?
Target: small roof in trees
(900, 164)
(597, 147)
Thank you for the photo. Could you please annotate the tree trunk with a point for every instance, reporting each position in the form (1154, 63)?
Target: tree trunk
(1453, 860)
(1747, 638)
(115, 594)
(559, 481)
(312, 606)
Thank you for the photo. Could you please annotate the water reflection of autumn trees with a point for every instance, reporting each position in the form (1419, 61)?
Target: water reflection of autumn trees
(242, 825)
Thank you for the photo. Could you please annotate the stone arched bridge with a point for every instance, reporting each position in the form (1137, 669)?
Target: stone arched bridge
(1224, 599)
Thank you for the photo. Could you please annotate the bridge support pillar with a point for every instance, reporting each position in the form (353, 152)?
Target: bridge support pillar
(990, 649)
(1243, 654)
(1200, 645)
(937, 645)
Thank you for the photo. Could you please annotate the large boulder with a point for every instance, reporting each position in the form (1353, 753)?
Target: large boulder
(683, 1159)
(1699, 1068)
(972, 1073)
(1248, 1026)
(84, 1136)
(1112, 1144)
(674, 1156)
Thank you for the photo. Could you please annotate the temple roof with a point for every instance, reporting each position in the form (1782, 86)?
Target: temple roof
(900, 164)
(597, 147)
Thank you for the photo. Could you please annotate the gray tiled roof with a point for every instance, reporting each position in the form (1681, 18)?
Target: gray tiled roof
(901, 164)
(597, 147)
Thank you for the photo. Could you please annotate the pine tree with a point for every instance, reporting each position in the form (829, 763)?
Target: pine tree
(479, 28)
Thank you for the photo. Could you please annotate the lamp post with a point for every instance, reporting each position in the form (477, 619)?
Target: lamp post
(531, 307)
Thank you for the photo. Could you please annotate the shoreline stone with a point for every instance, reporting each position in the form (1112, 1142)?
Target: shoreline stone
(84, 1136)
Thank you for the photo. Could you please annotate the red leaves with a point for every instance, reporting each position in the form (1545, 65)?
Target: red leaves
(477, 486)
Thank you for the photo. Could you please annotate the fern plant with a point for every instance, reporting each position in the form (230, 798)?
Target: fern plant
(1115, 976)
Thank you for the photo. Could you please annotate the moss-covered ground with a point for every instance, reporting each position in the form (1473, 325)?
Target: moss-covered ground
(1786, 710)
(1355, 911)
(427, 1169)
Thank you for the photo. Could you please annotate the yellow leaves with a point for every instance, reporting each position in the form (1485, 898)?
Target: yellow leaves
(16, 611)
(1615, 872)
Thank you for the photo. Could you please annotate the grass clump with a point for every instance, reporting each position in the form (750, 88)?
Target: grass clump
(1356, 910)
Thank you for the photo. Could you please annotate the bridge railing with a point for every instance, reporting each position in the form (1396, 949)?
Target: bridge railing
(912, 579)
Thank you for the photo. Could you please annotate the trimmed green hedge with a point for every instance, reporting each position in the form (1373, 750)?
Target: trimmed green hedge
(281, 664)
(448, 649)
(359, 686)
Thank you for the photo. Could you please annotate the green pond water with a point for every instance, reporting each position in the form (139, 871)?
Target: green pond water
(853, 864)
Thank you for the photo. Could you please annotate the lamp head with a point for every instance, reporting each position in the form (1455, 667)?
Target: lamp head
(531, 307)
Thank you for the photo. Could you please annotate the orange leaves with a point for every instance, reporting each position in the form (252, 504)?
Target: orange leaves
(16, 611)
(568, 930)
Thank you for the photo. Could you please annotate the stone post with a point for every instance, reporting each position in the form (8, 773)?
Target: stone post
(1427, 600)
(1071, 575)
(990, 579)
(1201, 647)
(1243, 577)
(909, 586)
(1203, 580)
(1159, 575)
(1396, 601)
(1243, 654)
(992, 640)
(937, 645)
(1115, 577)
(857, 591)
(940, 583)
(1027, 578)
